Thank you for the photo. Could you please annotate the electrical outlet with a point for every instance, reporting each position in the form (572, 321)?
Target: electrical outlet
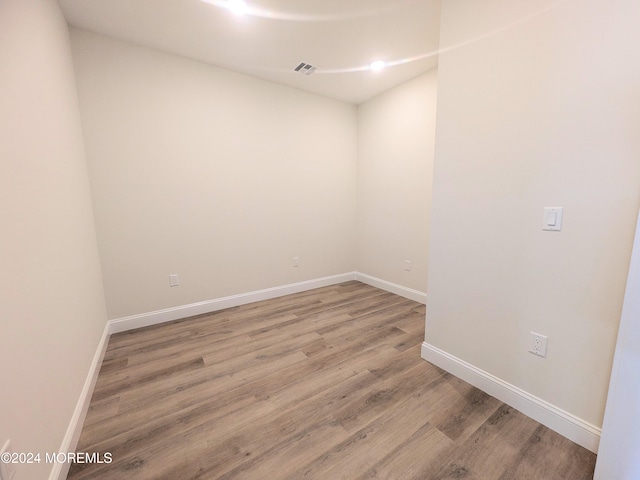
(8, 469)
(407, 265)
(538, 345)
(174, 281)
(296, 261)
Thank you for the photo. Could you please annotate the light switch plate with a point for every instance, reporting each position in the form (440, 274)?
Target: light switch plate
(552, 219)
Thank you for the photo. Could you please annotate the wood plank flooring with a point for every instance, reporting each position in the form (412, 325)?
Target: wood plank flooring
(325, 384)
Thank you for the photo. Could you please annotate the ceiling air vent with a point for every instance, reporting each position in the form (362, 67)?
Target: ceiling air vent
(305, 68)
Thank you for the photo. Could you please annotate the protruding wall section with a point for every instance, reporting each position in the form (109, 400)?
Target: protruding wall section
(537, 107)
(52, 310)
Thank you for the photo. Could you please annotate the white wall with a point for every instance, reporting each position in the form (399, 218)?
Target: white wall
(216, 176)
(619, 453)
(543, 113)
(52, 309)
(396, 134)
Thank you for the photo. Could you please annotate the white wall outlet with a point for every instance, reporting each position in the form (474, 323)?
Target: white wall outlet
(407, 265)
(174, 280)
(8, 469)
(296, 261)
(538, 344)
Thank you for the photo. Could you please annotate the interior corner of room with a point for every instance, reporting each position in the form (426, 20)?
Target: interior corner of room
(140, 186)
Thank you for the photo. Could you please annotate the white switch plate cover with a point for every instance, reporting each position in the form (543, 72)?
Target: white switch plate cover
(407, 265)
(552, 219)
(174, 280)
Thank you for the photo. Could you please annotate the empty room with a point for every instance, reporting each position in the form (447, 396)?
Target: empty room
(282, 239)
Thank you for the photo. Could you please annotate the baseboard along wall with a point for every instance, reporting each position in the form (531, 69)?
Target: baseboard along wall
(564, 423)
(70, 440)
(409, 293)
(160, 316)
(71, 437)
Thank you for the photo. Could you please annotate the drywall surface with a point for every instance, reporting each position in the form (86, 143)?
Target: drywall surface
(52, 310)
(396, 134)
(538, 106)
(618, 454)
(215, 176)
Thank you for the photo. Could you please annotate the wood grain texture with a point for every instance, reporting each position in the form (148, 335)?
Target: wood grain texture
(324, 384)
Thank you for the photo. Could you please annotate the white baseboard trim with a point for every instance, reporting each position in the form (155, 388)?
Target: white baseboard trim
(71, 437)
(558, 420)
(183, 311)
(70, 440)
(208, 306)
(406, 292)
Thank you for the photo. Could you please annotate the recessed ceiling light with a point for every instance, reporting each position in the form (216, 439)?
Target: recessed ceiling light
(377, 65)
(239, 7)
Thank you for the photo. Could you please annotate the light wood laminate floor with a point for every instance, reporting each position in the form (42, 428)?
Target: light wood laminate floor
(326, 384)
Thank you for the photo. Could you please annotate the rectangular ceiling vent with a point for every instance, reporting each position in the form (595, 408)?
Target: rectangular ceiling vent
(305, 68)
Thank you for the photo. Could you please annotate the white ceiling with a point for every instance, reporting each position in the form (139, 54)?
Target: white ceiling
(340, 37)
